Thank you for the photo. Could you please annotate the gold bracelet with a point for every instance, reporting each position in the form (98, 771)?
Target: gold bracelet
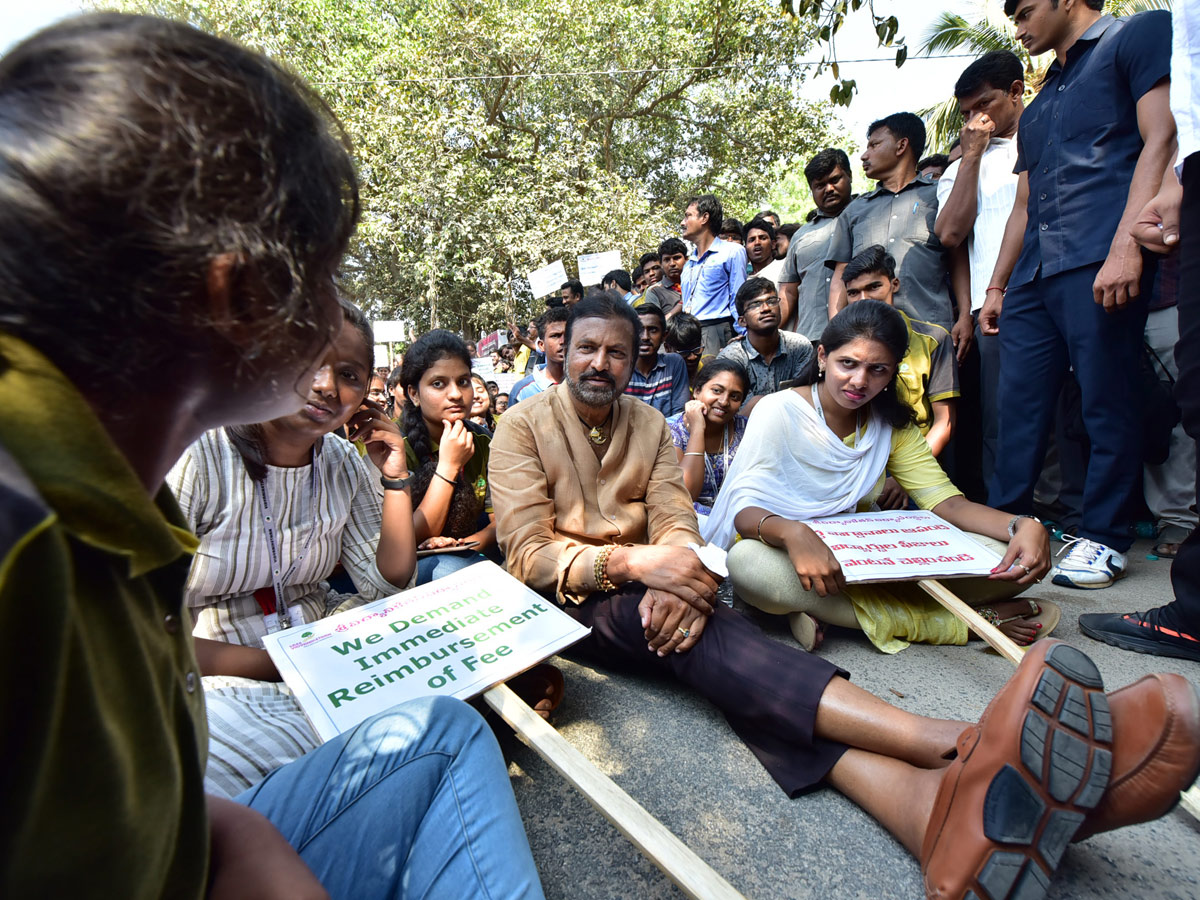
(600, 569)
(760, 525)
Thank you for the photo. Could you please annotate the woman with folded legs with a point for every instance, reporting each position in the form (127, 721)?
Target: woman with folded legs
(823, 448)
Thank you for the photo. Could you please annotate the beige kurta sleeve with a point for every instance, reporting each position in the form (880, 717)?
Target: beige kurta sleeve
(671, 518)
(534, 551)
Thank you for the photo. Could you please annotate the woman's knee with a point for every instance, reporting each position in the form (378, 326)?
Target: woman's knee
(763, 576)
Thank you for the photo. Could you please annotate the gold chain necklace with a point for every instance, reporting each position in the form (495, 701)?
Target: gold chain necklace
(596, 435)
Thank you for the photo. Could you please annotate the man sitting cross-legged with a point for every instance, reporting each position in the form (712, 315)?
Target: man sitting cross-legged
(592, 511)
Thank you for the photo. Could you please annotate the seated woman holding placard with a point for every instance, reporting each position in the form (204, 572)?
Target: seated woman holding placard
(821, 449)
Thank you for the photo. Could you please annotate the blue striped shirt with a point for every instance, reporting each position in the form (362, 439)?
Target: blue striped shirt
(710, 282)
(665, 388)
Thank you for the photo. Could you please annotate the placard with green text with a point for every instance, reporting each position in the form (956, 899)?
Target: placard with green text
(456, 637)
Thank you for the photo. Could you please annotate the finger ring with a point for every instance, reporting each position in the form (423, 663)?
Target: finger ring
(1025, 567)
(683, 631)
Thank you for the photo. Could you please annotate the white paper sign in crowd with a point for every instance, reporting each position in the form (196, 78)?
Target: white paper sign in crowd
(455, 637)
(594, 266)
(548, 279)
(901, 546)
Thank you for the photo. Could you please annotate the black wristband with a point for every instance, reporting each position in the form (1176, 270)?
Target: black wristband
(396, 484)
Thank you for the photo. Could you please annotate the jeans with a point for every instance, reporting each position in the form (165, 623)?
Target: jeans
(1046, 325)
(439, 565)
(414, 802)
(1171, 486)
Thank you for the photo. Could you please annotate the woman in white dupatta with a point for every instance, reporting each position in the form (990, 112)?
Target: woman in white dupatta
(824, 448)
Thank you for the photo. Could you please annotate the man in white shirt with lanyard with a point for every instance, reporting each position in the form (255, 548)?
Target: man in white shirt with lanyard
(975, 196)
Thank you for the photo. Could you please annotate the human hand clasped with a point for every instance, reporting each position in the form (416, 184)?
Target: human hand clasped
(672, 625)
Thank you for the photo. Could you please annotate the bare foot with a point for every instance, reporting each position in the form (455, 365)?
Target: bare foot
(1018, 630)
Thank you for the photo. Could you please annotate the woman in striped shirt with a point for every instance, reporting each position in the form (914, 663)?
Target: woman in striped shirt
(276, 506)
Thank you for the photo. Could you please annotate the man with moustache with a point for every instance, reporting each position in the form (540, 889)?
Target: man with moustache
(591, 510)
(898, 215)
(804, 281)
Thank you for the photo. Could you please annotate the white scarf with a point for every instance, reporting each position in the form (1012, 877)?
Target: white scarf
(792, 464)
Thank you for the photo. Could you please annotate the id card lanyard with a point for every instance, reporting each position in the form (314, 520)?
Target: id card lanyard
(275, 609)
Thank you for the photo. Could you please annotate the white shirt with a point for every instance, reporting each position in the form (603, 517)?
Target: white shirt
(1185, 77)
(771, 271)
(994, 200)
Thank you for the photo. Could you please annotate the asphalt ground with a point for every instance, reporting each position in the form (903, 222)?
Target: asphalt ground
(675, 754)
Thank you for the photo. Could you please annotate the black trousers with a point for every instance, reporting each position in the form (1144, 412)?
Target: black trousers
(1184, 613)
(768, 691)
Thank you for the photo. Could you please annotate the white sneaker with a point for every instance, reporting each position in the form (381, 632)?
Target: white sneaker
(1088, 565)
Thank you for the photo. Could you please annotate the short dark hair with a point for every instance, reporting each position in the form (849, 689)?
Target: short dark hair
(136, 151)
(549, 317)
(671, 247)
(651, 256)
(936, 159)
(768, 214)
(707, 204)
(789, 228)
(683, 332)
(998, 69)
(1010, 6)
(574, 286)
(903, 125)
(605, 305)
(731, 226)
(653, 309)
(620, 277)
(760, 224)
(636, 274)
(873, 259)
(823, 164)
(751, 288)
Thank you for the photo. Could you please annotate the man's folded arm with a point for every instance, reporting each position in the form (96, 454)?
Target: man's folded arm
(534, 552)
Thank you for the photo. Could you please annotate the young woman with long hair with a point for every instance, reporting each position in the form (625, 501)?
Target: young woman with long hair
(822, 448)
(709, 431)
(448, 454)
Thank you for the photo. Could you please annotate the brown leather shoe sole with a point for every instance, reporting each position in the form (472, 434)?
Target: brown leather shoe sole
(1023, 781)
(1156, 752)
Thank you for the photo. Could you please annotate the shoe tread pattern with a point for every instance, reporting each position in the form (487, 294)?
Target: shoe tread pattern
(1061, 762)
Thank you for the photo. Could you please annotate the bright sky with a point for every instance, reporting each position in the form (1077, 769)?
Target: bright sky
(882, 88)
(20, 18)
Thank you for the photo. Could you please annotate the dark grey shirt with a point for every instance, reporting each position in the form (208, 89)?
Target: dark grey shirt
(805, 263)
(902, 223)
(792, 358)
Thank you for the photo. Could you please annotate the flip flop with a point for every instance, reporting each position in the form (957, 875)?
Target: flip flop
(1169, 539)
(1047, 613)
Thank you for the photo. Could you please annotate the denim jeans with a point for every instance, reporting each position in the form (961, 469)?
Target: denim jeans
(439, 565)
(414, 802)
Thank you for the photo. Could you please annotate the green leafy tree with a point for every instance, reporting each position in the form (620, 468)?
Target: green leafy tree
(495, 136)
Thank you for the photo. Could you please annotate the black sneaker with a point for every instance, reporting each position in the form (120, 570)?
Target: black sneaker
(1140, 632)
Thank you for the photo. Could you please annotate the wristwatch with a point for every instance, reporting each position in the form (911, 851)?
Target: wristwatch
(396, 484)
(1012, 524)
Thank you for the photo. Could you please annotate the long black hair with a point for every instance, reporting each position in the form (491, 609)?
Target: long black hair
(872, 320)
(248, 439)
(719, 366)
(424, 352)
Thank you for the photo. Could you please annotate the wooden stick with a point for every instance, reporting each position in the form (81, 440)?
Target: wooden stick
(692, 874)
(1002, 644)
(1190, 800)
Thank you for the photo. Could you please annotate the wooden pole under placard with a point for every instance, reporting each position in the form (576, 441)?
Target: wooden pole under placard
(692, 874)
(1002, 644)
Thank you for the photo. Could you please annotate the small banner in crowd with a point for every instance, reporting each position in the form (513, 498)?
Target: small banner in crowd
(490, 342)
(901, 546)
(548, 279)
(594, 266)
(455, 637)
